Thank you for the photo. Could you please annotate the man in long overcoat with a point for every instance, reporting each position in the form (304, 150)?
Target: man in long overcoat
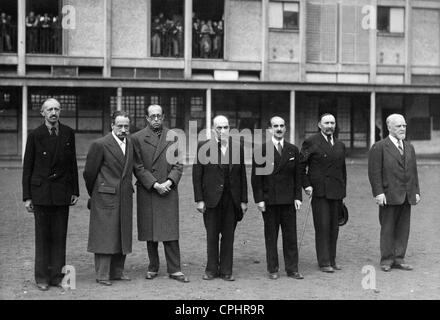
(157, 194)
(108, 177)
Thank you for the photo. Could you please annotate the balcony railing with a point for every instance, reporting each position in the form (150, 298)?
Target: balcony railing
(46, 40)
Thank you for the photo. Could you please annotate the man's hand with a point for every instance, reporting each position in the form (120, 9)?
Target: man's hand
(244, 207)
(167, 184)
(381, 200)
(261, 206)
(73, 200)
(160, 188)
(309, 191)
(298, 204)
(417, 198)
(201, 206)
(29, 206)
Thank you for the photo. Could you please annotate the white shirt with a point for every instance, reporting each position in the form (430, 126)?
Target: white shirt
(326, 138)
(396, 142)
(223, 147)
(122, 143)
(275, 142)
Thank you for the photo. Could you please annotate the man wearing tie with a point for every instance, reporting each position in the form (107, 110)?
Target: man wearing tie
(220, 191)
(324, 177)
(392, 171)
(278, 196)
(108, 177)
(50, 186)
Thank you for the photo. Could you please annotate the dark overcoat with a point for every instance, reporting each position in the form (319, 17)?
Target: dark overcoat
(108, 177)
(157, 215)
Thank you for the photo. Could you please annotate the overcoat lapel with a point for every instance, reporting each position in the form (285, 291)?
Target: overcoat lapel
(128, 156)
(161, 145)
(391, 148)
(114, 149)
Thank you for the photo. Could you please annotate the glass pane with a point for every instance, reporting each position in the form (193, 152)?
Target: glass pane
(397, 16)
(276, 15)
(290, 20)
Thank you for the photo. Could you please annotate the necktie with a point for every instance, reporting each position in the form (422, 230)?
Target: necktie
(279, 148)
(399, 144)
(53, 131)
(329, 140)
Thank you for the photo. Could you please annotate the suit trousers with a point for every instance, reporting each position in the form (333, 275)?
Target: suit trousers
(220, 220)
(50, 243)
(109, 266)
(325, 220)
(172, 255)
(394, 232)
(274, 217)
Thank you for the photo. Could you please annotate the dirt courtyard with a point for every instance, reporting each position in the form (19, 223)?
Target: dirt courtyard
(358, 246)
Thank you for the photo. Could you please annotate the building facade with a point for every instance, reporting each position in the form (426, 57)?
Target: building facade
(247, 59)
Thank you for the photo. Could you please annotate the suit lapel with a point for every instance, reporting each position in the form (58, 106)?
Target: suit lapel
(407, 153)
(323, 143)
(393, 150)
(115, 149)
(128, 155)
(161, 144)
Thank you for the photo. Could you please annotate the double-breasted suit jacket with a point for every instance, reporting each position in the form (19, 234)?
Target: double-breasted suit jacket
(108, 178)
(50, 173)
(323, 167)
(157, 215)
(283, 184)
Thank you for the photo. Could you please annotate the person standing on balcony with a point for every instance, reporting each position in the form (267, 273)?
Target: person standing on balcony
(32, 32)
(5, 33)
(205, 40)
(50, 186)
(156, 30)
(45, 36)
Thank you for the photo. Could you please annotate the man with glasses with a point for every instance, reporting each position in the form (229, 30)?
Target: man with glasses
(157, 194)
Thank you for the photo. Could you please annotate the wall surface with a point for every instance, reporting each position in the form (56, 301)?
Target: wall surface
(426, 37)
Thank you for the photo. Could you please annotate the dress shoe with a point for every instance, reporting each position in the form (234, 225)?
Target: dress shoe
(273, 276)
(104, 282)
(402, 266)
(295, 275)
(179, 277)
(336, 267)
(151, 275)
(386, 268)
(122, 278)
(42, 286)
(228, 277)
(208, 277)
(327, 269)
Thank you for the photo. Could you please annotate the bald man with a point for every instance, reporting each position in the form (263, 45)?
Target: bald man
(278, 196)
(392, 171)
(220, 191)
(50, 186)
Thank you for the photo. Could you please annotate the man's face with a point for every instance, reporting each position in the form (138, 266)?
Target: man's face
(397, 128)
(327, 125)
(51, 112)
(155, 117)
(121, 127)
(278, 128)
(221, 128)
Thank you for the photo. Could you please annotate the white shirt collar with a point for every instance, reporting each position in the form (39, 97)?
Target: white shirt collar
(325, 136)
(396, 141)
(121, 143)
(275, 142)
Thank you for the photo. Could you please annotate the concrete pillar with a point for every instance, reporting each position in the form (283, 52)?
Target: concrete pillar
(149, 13)
(108, 39)
(302, 41)
(372, 118)
(119, 99)
(292, 119)
(21, 37)
(373, 44)
(208, 112)
(408, 42)
(264, 40)
(188, 38)
(24, 119)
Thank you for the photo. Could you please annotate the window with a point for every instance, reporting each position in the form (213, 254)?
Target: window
(390, 20)
(419, 129)
(284, 15)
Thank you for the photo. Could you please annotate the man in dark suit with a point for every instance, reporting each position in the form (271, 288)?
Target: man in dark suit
(278, 195)
(324, 176)
(220, 191)
(108, 177)
(392, 171)
(158, 198)
(50, 186)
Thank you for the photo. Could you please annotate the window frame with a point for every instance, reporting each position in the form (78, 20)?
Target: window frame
(283, 28)
(387, 31)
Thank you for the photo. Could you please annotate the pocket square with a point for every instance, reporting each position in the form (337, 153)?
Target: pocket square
(293, 158)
